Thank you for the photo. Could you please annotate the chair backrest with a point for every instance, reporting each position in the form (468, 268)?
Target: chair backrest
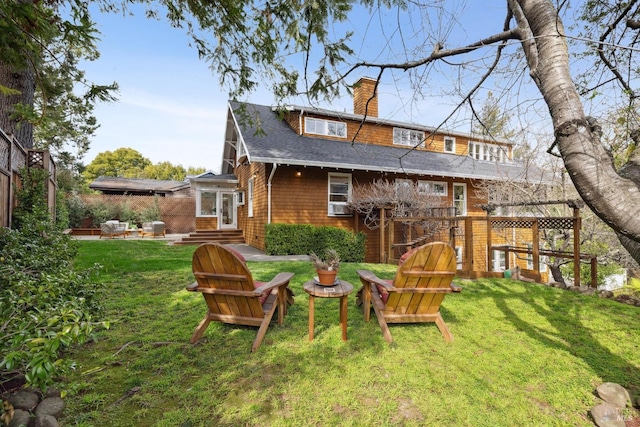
(232, 284)
(431, 266)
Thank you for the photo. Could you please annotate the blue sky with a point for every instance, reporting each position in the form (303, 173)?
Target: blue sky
(172, 108)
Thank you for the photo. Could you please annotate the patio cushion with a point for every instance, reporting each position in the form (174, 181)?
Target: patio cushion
(264, 295)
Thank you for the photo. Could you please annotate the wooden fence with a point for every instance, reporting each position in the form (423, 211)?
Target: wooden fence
(178, 213)
(13, 157)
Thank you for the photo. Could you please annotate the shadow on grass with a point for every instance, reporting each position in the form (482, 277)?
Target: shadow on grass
(576, 320)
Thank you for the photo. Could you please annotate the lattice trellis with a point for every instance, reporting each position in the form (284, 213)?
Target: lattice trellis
(4, 154)
(509, 223)
(18, 160)
(561, 223)
(556, 223)
(36, 159)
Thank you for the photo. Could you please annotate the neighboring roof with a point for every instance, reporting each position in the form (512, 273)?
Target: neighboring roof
(276, 142)
(211, 177)
(107, 183)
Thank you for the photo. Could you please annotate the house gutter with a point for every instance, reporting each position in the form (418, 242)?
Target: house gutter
(273, 172)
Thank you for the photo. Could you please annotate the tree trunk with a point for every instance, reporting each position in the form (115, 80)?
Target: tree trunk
(23, 81)
(613, 198)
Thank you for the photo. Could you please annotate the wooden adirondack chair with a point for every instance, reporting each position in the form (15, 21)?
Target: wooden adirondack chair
(416, 292)
(231, 294)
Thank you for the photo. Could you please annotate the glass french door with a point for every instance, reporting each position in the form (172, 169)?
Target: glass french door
(227, 218)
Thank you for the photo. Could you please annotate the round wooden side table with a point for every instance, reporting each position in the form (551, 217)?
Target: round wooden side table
(340, 290)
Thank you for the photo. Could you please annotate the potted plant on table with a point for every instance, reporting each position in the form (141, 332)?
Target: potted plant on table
(327, 267)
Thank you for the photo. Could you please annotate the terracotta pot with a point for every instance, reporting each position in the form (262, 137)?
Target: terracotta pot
(327, 277)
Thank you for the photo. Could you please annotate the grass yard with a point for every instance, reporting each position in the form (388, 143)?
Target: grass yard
(523, 354)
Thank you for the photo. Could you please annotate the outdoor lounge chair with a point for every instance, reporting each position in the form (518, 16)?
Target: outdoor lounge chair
(231, 294)
(154, 228)
(113, 228)
(416, 292)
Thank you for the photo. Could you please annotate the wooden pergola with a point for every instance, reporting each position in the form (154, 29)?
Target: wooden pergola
(535, 224)
(450, 224)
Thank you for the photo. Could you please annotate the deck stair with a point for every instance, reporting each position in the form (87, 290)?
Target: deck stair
(216, 236)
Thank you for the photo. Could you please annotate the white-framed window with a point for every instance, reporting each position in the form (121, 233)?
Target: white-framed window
(240, 198)
(544, 260)
(449, 144)
(207, 203)
(408, 137)
(460, 198)
(250, 198)
(339, 194)
(433, 188)
(499, 260)
(488, 152)
(459, 257)
(325, 127)
(530, 256)
(403, 188)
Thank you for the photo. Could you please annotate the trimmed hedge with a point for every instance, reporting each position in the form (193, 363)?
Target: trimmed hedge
(296, 239)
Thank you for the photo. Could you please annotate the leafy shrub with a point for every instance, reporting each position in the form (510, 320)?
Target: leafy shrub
(152, 213)
(296, 239)
(77, 209)
(45, 306)
(102, 211)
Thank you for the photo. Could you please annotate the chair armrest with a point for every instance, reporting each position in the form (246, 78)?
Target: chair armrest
(456, 288)
(370, 277)
(279, 280)
(192, 287)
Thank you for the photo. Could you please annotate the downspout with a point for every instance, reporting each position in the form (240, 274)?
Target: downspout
(300, 122)
(273, 172)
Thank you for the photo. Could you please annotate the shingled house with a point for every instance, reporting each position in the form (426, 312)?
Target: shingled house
(300, 164)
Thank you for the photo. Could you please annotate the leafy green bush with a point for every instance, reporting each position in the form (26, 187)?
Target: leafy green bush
(152, 213)
(45, 306)
(296, 239)
(77, 209)
(102, 211)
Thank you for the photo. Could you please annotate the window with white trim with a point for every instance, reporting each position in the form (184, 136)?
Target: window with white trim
(499, 260)
(488, 152)
(250, 198)
(459, 257)
(449, 144)
(325, 127)
(460, 198)
(240, 198)
(408, 137)
(530, 256)
(339, 194)
(207, 203)
(404, 188)
(432, 188)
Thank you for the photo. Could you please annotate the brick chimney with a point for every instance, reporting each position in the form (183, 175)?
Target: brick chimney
(362, 93)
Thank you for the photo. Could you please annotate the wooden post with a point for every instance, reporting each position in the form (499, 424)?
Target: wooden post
(576, 246)
(594, 272)
(536, 246)
(467, 262)
(489, 243)
(392, 238)
(382, 257)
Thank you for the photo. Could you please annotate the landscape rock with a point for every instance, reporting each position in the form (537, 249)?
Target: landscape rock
(20, 418)
(607, 415)
(51, 406)
(23, 399)
(614, 394)
(46, 421)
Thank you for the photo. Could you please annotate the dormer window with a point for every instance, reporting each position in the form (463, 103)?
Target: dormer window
(488, 152)
(407, 137)
(325, 127)
(449, 144)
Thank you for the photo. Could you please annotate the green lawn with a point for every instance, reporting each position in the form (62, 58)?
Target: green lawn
(523, 354)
